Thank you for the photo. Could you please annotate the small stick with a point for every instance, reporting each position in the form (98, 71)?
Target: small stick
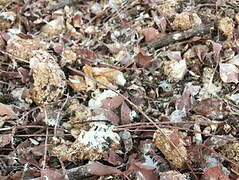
(179, 36)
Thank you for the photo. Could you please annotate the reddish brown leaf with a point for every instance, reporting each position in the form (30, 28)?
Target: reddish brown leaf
(5, 36)
(5, 139)
(185, 101)
(211, 107)
(114, 158)
(7, 112)
(214, 173)
(112, 116)
(25, 77)
(27, 157)
(112, 102)
(194, 154)
(151, 34)
(50, 174)
(38, 150)
(143, 60)
(148, 172)
(2, 43)
(99, 169)
(87, 56)
(125, 114)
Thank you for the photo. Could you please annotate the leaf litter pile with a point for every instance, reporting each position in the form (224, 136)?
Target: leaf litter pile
(119, 89)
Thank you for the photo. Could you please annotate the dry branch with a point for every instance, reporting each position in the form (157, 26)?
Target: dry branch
(179, 36)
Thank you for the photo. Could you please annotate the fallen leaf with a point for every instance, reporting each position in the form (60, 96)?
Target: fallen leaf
(210, 107)
(151, 34)
(50, 174)
(99, 169)
(114, 158)
(25, 75)
(86, 56)
(112, 103)
(147, 172)
(6, 112)
(106, 76)
(228, 73)
(5, 139)
(143, 60)
(125, 114)
(216, 172)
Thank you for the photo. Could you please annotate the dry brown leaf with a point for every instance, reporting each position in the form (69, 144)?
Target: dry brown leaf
(147, 172)
(210, 107)
(105, 76)
(217, 47)
(143, 60)
(172, 146)
(125, 114)
(99, 169)
(77, 83)
(51, 174)
(111, 116)
(86, 56)
(112, 103)
(151, 34)
(214, 173)
(114, 158)
(5, 139)
(25, 75)
(6, 112)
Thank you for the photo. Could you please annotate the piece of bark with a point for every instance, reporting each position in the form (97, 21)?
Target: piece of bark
(78, 172)
(179, 36)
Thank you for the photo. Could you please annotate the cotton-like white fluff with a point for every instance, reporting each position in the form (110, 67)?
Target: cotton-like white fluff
(98, 136)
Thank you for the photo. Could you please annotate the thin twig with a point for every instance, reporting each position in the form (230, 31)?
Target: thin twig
(15, 57)
(179, 36)
(45, 150)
